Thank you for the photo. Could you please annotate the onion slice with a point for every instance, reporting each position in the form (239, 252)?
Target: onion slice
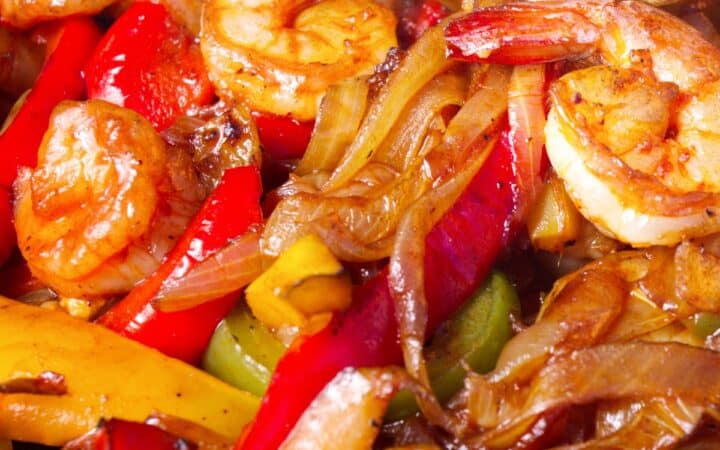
(425, 59)
(224, 272)
(629, 370)
(348, 412)
(621, 371)
(339, 116)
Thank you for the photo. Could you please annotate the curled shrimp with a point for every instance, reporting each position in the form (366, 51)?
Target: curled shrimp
(25, 13)
(281, 55)
(635, 139)
(105, 202)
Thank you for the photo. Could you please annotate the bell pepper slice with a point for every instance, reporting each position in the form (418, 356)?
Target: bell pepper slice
(474, 337)
(305, 280)
(151, 64)
(282, 138)
(366, 334)
(231, 210)
(104, 375)
(243, 352)
(117, 434)
(61, 78)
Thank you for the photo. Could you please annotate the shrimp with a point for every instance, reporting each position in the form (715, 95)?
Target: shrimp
(281, 55)
(105, 203)
(634, 139)
(25, 13)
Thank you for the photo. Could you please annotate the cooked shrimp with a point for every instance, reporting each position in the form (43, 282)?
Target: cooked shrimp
(104, 204)
(634, 140)
(25, 13)
(281, 55)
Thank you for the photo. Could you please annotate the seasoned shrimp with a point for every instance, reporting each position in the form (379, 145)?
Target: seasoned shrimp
(281, 55)
(104, 204)
(635, 140)
(25, 13)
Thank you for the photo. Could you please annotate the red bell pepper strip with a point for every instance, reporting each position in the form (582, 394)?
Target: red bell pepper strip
(151, 64)
(232, 208)
(60, 79)
(282, 138)
(366, 334)
(116, 434)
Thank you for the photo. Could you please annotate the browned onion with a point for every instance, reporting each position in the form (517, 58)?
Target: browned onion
(653, 423)
(357, 220)
(636, 370)
(583, 309)
(425, 59)
(454, 163)
(339, 115)
(629, 370)
(349, 410)
(404, 143)
(226, 271)
(218, 137)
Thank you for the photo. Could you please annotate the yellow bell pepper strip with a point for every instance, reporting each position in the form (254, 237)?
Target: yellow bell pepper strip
(474, 338)
(243, 352)
(106, 376)
(304, 281)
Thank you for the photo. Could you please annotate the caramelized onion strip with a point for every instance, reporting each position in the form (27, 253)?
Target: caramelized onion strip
(224, 272)
(424, 61)
(339, 116)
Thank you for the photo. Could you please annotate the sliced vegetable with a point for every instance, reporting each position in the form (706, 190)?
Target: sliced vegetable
(242, 352)
(366, 334)
(305, 280)
(553, 221)
(348, 412)
(229, 212)
(339, 115)
(283, 138)
(61, 78)
(106, 376)
(117, 434)
(150, 63)
(473, 338)
(704, 324)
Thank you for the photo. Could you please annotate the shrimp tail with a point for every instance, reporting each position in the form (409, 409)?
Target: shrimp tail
(524, 33)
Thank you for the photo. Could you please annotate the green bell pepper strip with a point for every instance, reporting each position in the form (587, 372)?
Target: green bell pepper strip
(243, 352)
(475, 335)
